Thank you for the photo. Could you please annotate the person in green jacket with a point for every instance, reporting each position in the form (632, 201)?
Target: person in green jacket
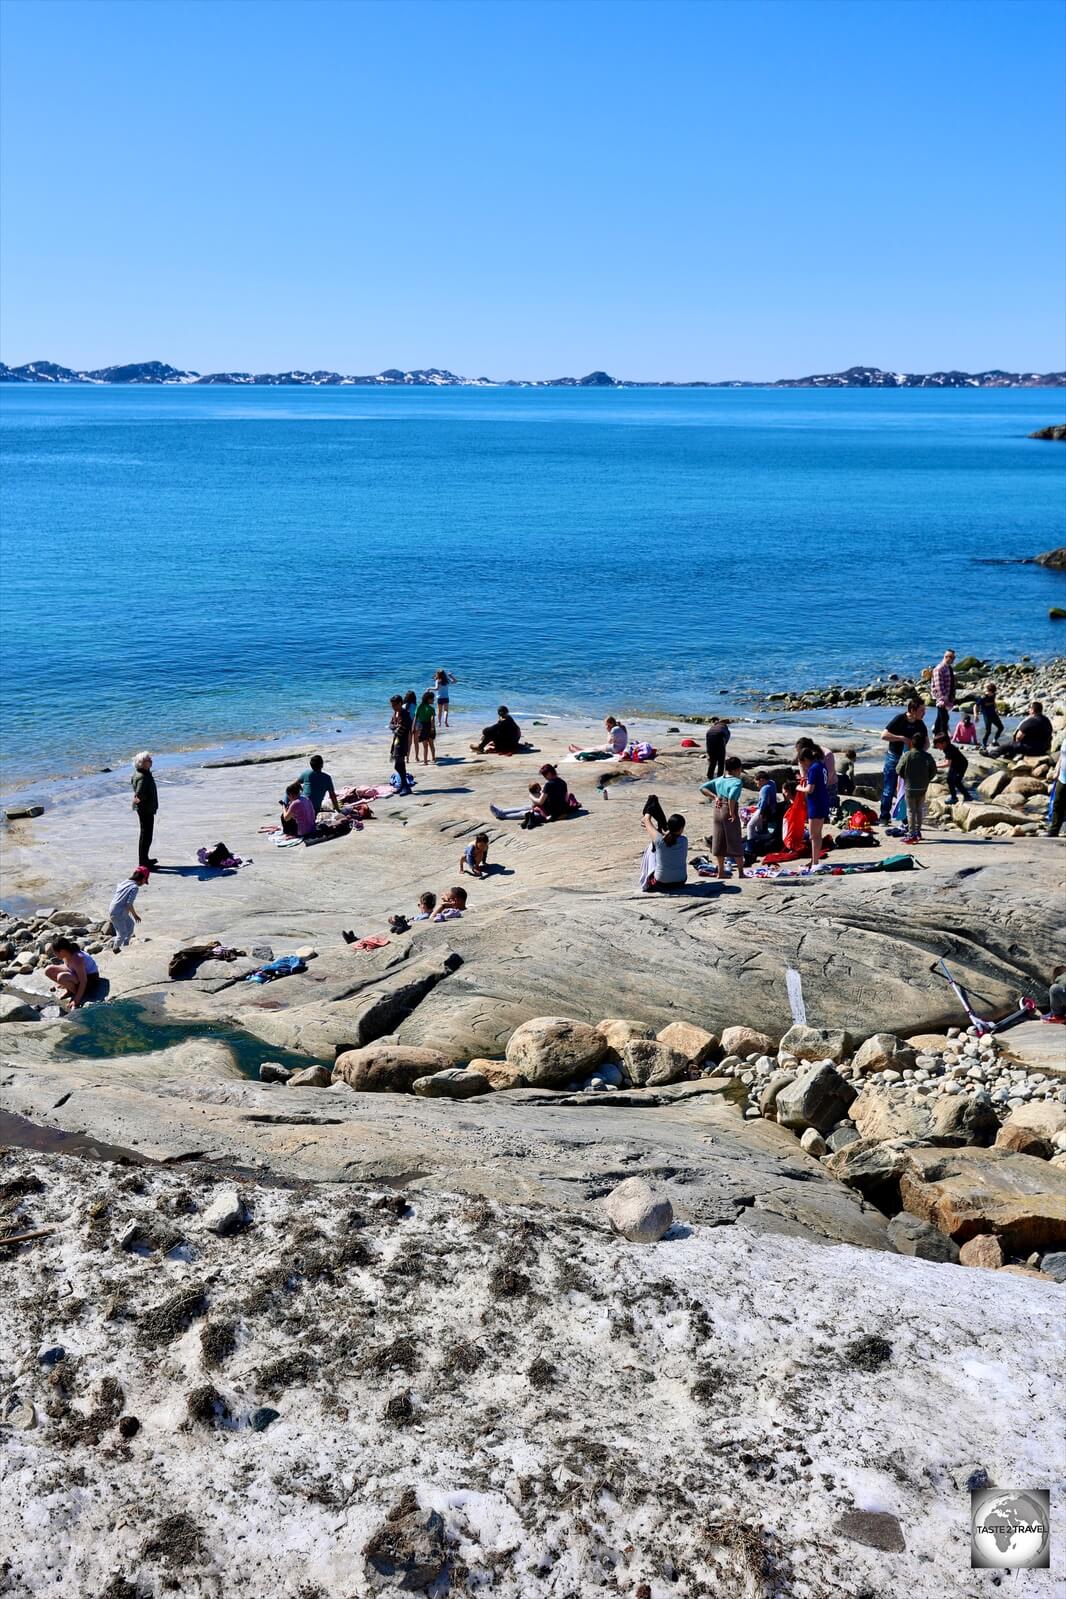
(146, 804)
(916, 768)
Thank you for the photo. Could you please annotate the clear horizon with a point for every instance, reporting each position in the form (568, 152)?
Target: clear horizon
(667, 192)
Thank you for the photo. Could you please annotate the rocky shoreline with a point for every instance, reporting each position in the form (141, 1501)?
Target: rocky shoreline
(1018, 682)
(441, 1300)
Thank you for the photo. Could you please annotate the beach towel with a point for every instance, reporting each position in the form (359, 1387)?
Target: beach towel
(284, 966)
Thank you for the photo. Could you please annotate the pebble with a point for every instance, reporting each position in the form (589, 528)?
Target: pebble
(260, 1419)
(51, 1356)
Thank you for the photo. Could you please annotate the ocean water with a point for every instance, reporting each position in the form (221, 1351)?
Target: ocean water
(182, 567)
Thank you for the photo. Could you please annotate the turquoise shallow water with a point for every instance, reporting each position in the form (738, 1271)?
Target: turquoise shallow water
(186, 566)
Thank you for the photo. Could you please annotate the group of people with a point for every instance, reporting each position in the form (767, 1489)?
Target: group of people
(414, 724)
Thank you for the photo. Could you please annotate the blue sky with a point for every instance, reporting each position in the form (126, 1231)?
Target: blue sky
(734, 188)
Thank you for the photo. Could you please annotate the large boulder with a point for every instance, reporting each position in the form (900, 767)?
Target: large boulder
(892, 1111)
(815, 1043)
(618, 1031)
(881, 1051)
(499, 1074)
(990, 787)
(646, 1063)
(1033, 1128)
(920, 1239)
(964, 1192)
(637, 1212)
(452, 1083)
(746, 1041)
(553, 1049)
(695, 1043)
(384, 1068)
(1027, 787)
(872, 1168)
(819, 1098)
(13, 1009)
(972, 814)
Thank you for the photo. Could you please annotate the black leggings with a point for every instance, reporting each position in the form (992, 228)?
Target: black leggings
(715, 758)
(146, 820)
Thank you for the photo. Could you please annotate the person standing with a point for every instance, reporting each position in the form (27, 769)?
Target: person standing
(815, 786)
(426, 728)
(917, 769)
(146, 804)
(942, 684)
(1057, 809)
(726, 837)
(401, 742)
(990, 717)
(717, 739)
(897, 735)
(442, 682)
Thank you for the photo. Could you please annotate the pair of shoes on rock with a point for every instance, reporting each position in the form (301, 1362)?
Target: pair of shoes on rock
(348, 936)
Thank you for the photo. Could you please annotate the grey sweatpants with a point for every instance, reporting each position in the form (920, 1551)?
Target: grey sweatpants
(915, 809)
(122, 926)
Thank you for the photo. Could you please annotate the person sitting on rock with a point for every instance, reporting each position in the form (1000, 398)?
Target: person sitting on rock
(317, 785)
(427, 904)
(503, 737)
(1056, 1011)
(794, 827)
(452, 905)
(77, 974)
(1033, 736)
(664, 866)
(475, 858)
(550, 801)
(762, 830)
(298, 818)
(616, 743)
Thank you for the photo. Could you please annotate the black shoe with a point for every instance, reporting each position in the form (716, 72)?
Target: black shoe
(349, 938)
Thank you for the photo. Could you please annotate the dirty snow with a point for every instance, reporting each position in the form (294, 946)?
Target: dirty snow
(588, 1416)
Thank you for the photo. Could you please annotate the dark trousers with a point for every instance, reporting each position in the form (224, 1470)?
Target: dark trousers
(943, 721)
(956, 788)
(888, 785)
(1058, 810)
(715, 758)
(399, 766)
(990, 720)
(146, 820)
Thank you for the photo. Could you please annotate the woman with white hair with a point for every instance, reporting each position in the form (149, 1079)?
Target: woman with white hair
(145, 803)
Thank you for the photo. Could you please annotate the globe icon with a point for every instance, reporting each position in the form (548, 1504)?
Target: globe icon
(1010, 1530)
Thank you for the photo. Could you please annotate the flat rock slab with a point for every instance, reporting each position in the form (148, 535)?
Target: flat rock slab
(522, 1145)
(1039, 1046)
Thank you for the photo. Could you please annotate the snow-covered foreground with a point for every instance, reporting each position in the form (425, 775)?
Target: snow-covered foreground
(586, 1416)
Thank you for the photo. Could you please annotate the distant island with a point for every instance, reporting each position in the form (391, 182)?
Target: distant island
(856, 377)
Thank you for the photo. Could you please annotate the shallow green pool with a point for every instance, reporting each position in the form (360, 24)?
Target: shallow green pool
(131, 1027)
